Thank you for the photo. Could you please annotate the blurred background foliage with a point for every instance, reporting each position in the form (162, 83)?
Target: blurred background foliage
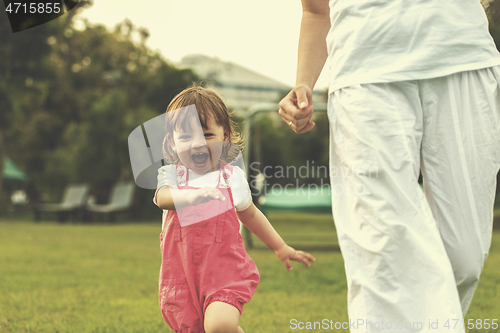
(71, 92)
(279, 153)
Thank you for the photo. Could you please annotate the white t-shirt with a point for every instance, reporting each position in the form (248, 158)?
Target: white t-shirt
(240, 190)
(396, 40)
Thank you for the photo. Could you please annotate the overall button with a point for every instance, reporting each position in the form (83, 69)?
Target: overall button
(197, 253)
(197, 232)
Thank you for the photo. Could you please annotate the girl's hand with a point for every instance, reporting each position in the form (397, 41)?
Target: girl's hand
(204, 194)
(287, 253)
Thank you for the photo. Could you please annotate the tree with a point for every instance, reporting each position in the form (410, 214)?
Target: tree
(74, 104)
(22, 57)
(492, 8)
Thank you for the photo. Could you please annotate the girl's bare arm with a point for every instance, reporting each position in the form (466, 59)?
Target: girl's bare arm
(172, 199)
(259, 225)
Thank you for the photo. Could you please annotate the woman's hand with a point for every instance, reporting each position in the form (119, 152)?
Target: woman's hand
(296, 109)
(204, 194)
(287, 253)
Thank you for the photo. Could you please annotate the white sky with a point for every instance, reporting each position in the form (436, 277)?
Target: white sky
(261, 35)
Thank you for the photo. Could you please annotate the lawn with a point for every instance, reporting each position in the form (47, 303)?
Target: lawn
(103, 278)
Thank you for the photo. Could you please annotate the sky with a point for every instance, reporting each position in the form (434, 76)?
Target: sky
(261, 35)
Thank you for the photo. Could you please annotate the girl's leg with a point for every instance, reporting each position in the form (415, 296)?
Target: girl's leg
(221, 317)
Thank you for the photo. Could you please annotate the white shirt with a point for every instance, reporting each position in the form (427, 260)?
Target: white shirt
(396, 40)
(240, 190)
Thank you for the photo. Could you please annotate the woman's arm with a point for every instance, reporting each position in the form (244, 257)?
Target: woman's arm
(312, 41)
(259, 225)
(296, 108)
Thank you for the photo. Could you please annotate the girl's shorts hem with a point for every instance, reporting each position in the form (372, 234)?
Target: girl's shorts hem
(229, 299)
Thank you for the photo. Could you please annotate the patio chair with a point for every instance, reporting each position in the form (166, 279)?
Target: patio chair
(121, 199)
(73, 200)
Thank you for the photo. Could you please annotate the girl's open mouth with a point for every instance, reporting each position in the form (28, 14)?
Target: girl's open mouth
(200, 159)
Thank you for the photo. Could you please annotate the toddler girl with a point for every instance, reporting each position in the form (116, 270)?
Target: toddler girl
(206, 275)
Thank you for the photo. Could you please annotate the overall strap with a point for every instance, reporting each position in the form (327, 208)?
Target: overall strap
(182, 176)
(225, 177)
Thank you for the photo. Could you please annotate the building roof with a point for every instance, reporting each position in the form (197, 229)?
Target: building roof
(228, 74)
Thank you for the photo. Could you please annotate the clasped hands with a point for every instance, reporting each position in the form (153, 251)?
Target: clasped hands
(296, 109)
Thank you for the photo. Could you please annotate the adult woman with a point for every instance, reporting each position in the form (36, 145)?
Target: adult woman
(413, 86)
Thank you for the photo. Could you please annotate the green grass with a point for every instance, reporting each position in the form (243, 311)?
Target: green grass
(102, 278)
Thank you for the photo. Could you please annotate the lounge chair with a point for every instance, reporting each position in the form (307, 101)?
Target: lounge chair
(121, 199)
(74, 199)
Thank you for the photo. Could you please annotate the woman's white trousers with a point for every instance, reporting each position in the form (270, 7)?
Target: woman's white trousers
(413, 257)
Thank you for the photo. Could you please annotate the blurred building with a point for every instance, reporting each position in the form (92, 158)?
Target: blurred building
(241, 87)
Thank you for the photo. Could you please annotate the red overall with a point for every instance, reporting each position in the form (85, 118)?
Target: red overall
(203, 262)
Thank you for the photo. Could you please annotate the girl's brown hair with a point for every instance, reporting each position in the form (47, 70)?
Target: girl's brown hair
(208, 105)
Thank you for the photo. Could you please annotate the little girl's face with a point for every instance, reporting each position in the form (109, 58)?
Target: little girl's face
(199, 149)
